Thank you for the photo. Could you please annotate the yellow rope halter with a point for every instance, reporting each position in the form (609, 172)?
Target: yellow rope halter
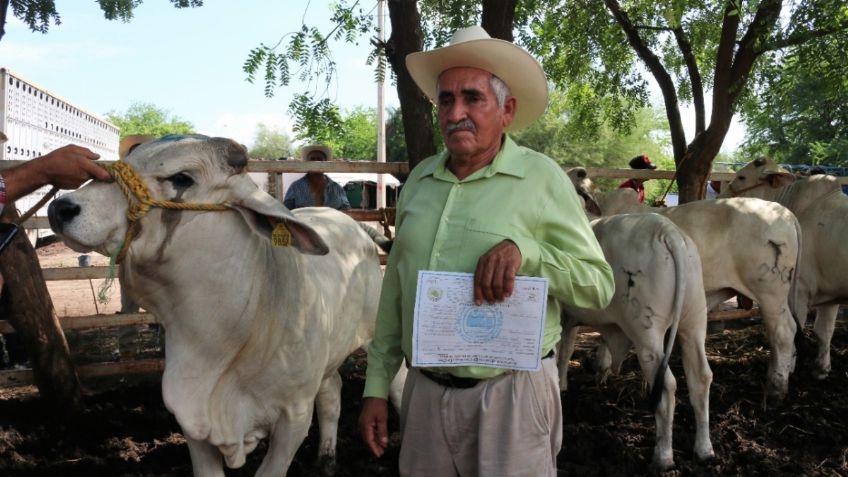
(139, 202)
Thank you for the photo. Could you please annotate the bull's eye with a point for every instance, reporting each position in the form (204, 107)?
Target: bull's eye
(181, 180)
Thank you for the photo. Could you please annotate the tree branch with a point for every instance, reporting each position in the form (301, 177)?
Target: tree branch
(664, 80)
(4, 7)
(799, 37)
(694, 78)
(749, 48)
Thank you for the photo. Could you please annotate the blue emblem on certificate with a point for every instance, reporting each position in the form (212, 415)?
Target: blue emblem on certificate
(480, 324)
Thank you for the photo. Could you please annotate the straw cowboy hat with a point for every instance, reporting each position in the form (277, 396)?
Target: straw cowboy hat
(130, 142)
(304, 153)
(474, 47)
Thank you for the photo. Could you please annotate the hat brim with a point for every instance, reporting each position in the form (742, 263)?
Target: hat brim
(304, 153)
(520, 71)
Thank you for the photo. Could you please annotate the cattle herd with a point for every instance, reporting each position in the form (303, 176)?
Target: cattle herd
(296, 292)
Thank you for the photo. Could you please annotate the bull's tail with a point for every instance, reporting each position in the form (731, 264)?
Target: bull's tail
(676, 246)
(381, 240)
(794, 303)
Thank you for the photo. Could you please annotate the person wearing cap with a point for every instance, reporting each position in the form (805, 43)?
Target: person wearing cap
(490, 207)
(639, 162)
(315, 189)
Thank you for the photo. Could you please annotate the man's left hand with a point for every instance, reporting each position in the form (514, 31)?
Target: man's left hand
(494, 278)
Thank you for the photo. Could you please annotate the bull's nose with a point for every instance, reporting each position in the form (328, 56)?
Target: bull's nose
(60, 212)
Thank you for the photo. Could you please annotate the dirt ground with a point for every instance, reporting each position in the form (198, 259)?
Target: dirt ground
(608, 430)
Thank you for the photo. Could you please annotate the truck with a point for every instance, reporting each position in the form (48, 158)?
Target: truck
(37, 121)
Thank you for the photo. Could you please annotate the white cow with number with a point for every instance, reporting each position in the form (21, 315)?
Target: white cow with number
(747, 246)
(822, 210)
(659, 290)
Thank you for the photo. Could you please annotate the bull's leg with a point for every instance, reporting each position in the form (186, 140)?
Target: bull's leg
(780, 330)
(698, 380)
(823, 329)
(611, 352)
(289, 431)
(566, 350)
(329, 401)
(650, 355)
(205, 458)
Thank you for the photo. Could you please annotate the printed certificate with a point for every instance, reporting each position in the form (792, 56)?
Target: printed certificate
(450, 330)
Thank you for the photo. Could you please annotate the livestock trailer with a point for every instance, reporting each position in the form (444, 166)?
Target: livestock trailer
(37, 121)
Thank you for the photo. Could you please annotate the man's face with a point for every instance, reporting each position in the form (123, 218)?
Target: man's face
(316, 156)
(469, 117)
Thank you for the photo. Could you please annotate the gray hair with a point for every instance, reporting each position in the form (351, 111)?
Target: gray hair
(500, 88)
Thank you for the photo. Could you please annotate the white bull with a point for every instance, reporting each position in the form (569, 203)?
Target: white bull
(747, 246)
(822, 210)
(255, 329)
(658, 289)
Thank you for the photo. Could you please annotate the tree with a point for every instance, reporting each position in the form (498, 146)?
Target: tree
(800, 114)
(306, 54)
(353, 136)
(145, 118)
(270, 143)
(687, 48)
(396, 148)
(40, 14)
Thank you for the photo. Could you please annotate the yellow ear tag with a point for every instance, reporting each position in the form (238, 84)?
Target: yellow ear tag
(281, 237)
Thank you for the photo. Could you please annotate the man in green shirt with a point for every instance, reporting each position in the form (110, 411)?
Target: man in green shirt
(491, 207)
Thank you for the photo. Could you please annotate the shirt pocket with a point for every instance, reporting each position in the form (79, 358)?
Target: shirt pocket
(481, 236)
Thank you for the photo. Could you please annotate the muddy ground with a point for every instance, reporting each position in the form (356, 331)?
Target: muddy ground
(608, 430)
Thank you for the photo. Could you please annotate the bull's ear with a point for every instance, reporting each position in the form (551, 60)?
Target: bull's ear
(778, 180)
(266, 216)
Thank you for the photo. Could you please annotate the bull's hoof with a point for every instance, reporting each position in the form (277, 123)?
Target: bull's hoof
(704, 455)
(772, 401)
(664, 468)
(821, 374)
(326, 466)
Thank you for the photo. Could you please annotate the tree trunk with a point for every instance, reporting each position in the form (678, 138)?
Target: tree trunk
(29, 309)
(498, 17)
(415, 108)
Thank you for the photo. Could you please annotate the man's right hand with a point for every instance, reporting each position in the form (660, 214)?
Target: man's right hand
(372, 424)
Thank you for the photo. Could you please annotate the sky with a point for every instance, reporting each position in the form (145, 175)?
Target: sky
(189, 62)
(185, 61)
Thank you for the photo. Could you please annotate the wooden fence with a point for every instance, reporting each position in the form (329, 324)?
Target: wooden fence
(147, 366)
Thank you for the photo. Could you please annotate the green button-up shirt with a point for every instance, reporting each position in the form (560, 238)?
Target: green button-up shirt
(446, 224)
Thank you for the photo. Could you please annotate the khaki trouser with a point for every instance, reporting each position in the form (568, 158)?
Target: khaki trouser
(510, 425)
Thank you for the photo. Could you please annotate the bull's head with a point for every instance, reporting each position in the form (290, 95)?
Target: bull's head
(585, 189)
(174, 178)
(757, 178)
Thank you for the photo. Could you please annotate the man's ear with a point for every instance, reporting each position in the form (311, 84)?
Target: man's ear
(509, 108)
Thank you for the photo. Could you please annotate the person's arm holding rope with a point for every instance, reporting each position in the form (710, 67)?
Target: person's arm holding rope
(66, 168)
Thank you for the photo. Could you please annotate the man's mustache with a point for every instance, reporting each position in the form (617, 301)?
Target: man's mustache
(464, 124)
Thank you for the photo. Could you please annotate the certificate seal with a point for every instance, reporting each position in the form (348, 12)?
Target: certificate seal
(480, 324)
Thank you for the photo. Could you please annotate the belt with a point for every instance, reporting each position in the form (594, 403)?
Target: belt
(451, 381)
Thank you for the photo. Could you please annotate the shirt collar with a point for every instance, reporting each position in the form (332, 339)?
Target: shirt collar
(509, 161)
